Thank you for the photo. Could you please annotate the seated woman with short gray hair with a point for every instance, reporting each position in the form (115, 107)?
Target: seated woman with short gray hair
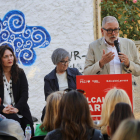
(61, 77)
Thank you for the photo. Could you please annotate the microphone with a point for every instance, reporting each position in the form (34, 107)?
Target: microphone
(116, 43)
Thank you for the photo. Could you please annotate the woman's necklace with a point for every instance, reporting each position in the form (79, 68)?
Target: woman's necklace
(9, 89)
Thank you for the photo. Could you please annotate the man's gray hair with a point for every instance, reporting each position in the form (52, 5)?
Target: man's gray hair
(108, 19)
(59, 54)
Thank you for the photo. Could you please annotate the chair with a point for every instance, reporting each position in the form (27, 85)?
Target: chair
(34, 119)
(38, 137)
(7, 137)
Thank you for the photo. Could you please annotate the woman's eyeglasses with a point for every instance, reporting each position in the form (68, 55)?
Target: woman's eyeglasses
(65, 62)
(79, 90)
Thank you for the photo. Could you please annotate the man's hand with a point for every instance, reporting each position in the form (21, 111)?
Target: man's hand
(106, 58)
(124, 59)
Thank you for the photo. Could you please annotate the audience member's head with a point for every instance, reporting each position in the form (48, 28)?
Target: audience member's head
(113, 97)
(129, 129)
(74, 117)
(122, 111)
(51, 110)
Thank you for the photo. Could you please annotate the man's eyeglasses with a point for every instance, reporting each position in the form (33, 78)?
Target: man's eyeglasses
(65, 62)
(79, 90)
(110, 31)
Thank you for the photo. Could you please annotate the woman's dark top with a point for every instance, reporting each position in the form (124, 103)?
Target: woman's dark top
(57, 135)
(20, 94)
(106, 137)
(51, 82)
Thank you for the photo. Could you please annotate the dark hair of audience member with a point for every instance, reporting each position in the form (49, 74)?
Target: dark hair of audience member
(122, 111)
(74, 119)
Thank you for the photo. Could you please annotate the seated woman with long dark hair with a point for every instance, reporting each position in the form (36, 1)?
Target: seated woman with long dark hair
(13, 89)
(74, 121)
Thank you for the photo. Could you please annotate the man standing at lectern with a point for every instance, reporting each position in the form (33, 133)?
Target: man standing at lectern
(102, 56)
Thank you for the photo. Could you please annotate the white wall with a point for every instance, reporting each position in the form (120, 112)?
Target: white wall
(70, 25)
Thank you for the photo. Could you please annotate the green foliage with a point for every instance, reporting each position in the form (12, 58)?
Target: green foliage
(127, 13)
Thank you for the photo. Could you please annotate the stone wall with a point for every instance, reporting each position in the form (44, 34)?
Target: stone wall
(136, 90)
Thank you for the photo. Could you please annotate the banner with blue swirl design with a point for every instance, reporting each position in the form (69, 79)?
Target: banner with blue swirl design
(21, 37)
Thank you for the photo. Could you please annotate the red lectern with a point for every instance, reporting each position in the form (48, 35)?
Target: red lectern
(96, 87)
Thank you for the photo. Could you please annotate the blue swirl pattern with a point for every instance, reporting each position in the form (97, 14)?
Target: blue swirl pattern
(22, 38)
